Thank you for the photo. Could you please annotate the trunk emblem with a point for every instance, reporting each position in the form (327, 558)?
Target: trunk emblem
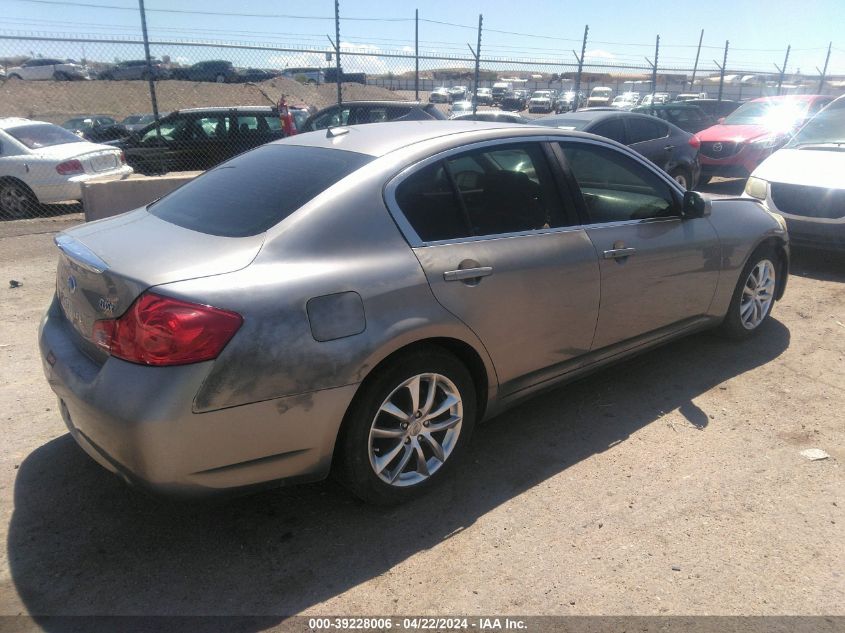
(106, 306)
(71, 284)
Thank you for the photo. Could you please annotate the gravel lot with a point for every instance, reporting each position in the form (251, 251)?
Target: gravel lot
(671, 484)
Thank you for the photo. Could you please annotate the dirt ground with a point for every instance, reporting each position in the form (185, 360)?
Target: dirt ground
(672, 484)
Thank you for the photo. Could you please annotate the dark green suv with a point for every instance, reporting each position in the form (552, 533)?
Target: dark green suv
(689, 118)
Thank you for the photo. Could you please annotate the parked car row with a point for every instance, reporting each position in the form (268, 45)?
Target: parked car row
(678, 137)
(219, 71)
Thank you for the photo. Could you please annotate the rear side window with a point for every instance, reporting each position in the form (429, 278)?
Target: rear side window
(489, 191)
(255, 191)
(640, 130)
(38, 135)
(614, 129)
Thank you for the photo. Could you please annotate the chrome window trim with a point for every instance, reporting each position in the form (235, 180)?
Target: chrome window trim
(414, 239)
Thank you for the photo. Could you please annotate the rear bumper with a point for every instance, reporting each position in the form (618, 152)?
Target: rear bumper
(71, 189)
(138, 422)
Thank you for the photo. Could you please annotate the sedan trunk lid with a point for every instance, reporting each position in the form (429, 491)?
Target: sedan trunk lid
(104, 266)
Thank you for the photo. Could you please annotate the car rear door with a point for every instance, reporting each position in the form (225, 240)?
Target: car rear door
(650, 137)
(657, 268)
(502, 251)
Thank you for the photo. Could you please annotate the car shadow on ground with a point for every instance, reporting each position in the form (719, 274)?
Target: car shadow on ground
(817, 264)
(80, 542)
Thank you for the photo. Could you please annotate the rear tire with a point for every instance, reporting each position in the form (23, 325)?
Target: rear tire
(16, 200)
(754, 295)
(221, 79)
(388, 450)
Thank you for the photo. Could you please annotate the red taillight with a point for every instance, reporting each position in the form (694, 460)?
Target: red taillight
(158, 330)
(122, 157)
(695, 142)
(70, 167)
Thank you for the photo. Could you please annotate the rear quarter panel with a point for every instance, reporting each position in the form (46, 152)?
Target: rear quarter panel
(342, 241)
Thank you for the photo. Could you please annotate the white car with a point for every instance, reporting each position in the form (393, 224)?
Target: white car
(600, 96)
(656, 99)
(43, 69)
(542, 101)
(460, 107)
(803, 181)
(42, 163)
(439, 95)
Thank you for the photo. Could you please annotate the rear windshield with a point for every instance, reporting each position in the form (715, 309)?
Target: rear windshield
(42, 135)
(254, 191)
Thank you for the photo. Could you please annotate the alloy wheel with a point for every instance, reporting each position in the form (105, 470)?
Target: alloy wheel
(757, 294)
(415, 429)
(14, 201)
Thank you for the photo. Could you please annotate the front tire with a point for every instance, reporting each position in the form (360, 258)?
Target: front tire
(682, 177)
(407, 427)
(59, 76)
(220, 79)
(754, 296)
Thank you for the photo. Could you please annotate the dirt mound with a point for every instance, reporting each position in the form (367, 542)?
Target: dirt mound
(58, 101)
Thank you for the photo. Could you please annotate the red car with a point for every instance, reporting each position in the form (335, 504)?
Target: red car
(747, 136)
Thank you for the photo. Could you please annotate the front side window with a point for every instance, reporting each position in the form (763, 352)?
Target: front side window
(484, 192)
(173, 130)
(332, 118)
(615, 187)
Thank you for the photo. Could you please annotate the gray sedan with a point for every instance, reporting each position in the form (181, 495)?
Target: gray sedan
(388, 288)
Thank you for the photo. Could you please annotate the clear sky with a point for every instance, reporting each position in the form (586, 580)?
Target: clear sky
(622, 31)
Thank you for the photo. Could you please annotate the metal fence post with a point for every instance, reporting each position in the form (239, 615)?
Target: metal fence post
(783, 70)
(150, 79)
(474, 97)
(654, 68)
(417, 54)
(823, 72)
(722, 70)
(580, 65)
(695, 66)
(337, 51)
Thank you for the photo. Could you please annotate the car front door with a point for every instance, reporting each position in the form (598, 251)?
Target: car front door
(39, 70)
(502, 251)
(163, 151)
(657, 268)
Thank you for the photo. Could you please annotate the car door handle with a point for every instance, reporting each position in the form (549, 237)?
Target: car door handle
(669, 148)
(619, 253)
(464, 274)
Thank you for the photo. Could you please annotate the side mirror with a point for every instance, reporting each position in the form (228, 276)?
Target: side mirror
(720, 120)
(695, 205)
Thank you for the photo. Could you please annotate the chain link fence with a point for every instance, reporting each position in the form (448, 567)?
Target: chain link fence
(216, 99)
